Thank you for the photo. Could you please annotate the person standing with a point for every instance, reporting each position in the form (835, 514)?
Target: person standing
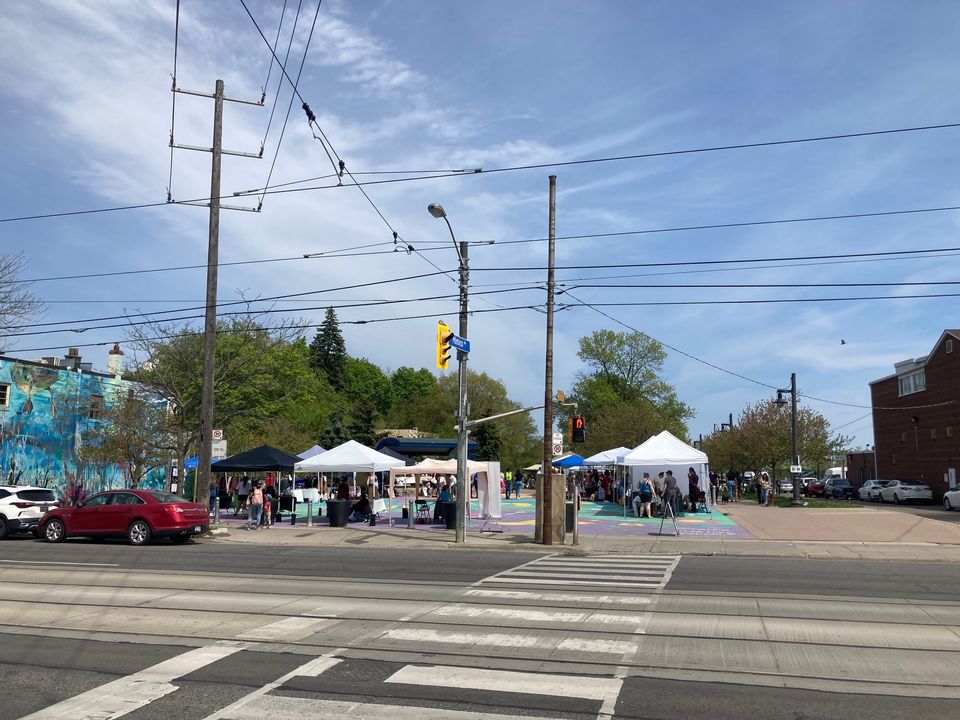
(255, 500)
(714, 487)
(517, 485)
(732, 485)
(243, 492)
(644, 497)
(671, 493)
(693, 489)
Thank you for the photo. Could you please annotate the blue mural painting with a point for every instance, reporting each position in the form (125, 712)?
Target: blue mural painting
(48, 410)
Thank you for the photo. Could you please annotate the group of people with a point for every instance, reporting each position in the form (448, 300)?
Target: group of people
(511, 483)
(664, 491)
(254, 498)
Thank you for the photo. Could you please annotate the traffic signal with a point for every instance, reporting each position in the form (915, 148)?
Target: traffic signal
(443, 345)
(578, 433)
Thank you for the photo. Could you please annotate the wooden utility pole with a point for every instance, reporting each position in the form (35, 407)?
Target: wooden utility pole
(547, 513)
(213, 241)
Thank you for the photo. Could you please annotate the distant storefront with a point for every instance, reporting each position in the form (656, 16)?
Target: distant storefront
(46, 410)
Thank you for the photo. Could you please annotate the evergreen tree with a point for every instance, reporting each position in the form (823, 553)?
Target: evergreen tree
(362, 428)
(334, 434)
(328, 352)
(487, 437)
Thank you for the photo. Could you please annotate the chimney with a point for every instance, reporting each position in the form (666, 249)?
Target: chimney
(115, 360)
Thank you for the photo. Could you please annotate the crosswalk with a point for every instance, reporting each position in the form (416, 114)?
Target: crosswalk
(618, 573)
(331, 687)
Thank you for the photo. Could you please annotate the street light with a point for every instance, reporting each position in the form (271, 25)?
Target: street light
(795, 458)
(463, 491)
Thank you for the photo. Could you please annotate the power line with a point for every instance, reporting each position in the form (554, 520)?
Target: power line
(852, 421)
(681, 263)
(269, 311)
(266, 83)
(293, 94)
(798, 286)
(233, 303)
(640, 156)
(760, 301)
(511, 168)
(173, 93)
(674, 349)
(748, 223)
(744, 377)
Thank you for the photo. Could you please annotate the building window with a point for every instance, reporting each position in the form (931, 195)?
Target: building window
(933, 433)
(4, 395)
(914, 382)
(949, 345)
(949, 431)
(903, 437)
(96, 407)
(893, 459)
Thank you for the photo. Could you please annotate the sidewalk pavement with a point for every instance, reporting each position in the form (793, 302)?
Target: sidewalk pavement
(841, 533)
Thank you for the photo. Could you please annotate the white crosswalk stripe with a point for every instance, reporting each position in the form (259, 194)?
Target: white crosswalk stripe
(601, 572)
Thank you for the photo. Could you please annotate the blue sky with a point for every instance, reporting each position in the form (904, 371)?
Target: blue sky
(85, 107)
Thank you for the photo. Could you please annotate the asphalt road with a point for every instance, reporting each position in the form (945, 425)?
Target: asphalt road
(939, 581)
(215, 631)
(934, 511)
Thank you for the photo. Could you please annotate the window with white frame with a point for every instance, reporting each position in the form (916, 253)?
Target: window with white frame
(4, 395)
(948, 345)
(914, 382)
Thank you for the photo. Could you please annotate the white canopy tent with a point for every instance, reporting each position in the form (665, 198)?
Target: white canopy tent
(349, 457)
(607, 457)
(488, 480)
(667, 452)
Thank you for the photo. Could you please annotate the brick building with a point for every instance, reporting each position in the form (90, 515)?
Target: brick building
(916, 417)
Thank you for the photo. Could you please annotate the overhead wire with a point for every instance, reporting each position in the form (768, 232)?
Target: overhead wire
(266, 84)
(173, 94)
(506, 168)
(745, 377)
(268, 311)
(293, 94)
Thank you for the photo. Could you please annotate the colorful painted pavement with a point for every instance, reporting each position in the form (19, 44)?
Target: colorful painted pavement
(599, 519)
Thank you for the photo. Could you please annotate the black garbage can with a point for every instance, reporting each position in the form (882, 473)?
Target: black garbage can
(570, 511)
(337, 512)
(449, 515)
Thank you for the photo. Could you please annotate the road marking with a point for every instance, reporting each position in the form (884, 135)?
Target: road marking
(308, 709)
(246, 707)
(44, 562)
(126, 694)
(421, 635)
(574, 686)
(511, 613)
(631, 572)
(558, 597)
(287, 630)
(599, 647)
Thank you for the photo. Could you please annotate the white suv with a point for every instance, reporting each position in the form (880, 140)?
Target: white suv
(22, 506)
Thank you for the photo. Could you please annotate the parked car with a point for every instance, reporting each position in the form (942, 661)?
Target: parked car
(901, 491)
(870, 490)
(21, 507)
(951, 499)
(815, 487)
(748, 479)
(838, 488)
(786, 486)
(138, 515)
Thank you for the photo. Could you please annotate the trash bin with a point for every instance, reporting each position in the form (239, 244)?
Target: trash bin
(570, 511)
(403, 512)
(337, 512)
(450, 515)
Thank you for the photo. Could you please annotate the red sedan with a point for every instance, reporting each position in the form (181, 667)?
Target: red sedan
(138, 515)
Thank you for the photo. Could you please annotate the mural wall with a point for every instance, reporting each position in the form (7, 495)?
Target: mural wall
(48, 412)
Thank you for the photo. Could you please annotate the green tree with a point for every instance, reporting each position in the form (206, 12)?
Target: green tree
(365, 382)
(259, 372)
(411, 391)
(328, 352)
(623, 396)
(517, 433)
(487, 437)
(133, 432)
(362, 427)
(334, 434)
(761, 439)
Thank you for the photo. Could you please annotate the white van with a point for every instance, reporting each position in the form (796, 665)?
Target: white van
(834, 472)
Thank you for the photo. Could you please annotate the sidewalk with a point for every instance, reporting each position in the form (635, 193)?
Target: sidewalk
(851, 533)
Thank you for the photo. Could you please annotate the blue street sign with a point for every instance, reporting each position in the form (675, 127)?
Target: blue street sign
(460, 343)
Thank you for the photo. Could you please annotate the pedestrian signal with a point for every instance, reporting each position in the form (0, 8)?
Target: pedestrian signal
(443, 345)
(578, 433)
